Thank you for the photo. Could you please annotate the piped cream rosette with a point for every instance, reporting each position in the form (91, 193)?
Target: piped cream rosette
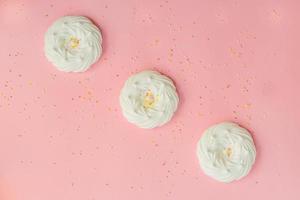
(148, 99)
(73, 44)
(226, 152)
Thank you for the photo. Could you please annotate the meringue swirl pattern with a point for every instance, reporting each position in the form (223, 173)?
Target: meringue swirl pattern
(148, 99)
(226, 152)
(73, 44)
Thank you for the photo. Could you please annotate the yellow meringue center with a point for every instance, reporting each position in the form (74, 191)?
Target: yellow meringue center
(149, 99)
(73, 42)
(228, 152)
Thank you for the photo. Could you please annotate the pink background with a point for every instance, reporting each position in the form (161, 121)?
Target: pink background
(63, 137)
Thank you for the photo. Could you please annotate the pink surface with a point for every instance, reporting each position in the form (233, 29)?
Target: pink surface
(63, 136)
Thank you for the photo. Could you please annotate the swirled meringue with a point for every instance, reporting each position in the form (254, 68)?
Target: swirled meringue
(148, 99)
(73, 44)
(226, 152)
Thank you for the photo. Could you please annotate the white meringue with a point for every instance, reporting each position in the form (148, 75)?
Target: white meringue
(226, 152)
(73, 44)
(148, 99)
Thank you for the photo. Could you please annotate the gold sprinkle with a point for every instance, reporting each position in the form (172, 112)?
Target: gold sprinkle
(247, 105)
